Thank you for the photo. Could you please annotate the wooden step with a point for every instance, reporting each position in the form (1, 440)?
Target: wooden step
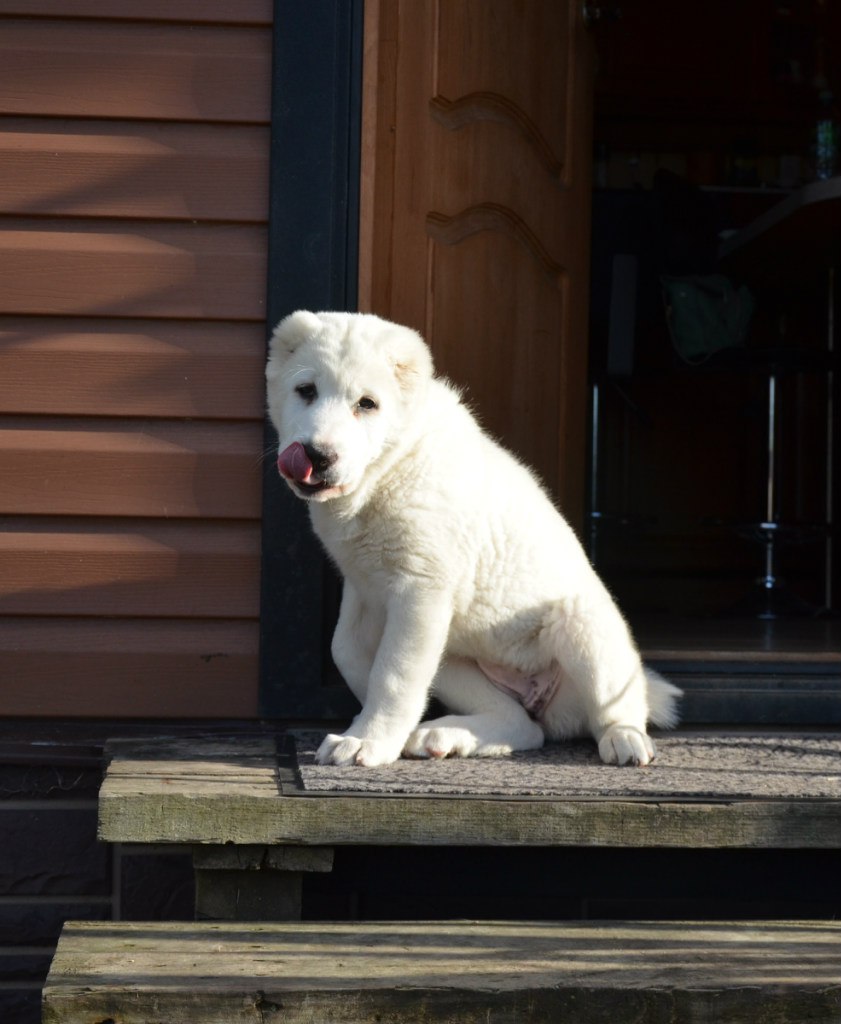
(771, 672)
(458, 972)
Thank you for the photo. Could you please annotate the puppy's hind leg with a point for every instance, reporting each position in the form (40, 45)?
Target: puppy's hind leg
(489, 722)
(599, 659)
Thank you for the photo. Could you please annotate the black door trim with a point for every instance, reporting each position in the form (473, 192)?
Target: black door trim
(313, 264)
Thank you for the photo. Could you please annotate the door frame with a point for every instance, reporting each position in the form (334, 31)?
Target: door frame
(313, 264)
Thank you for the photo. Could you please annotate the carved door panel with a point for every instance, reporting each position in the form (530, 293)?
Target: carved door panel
(475, 208)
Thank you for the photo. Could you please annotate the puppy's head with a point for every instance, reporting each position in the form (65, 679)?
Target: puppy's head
(340, 387)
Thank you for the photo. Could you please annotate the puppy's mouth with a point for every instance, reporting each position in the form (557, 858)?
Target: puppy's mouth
(295, 467)
(309, 490)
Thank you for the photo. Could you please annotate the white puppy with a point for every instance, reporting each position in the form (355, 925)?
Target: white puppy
(461, 579)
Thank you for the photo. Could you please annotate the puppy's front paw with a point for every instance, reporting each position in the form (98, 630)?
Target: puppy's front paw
(375, 752)
(623, 744)
(440, 741)
(337, 749)
(344, 750)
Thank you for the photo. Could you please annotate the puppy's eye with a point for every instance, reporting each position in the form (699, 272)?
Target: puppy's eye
(366, 404)
(307, 392)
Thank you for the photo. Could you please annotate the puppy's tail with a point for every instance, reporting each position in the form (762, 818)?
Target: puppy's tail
(662, 700)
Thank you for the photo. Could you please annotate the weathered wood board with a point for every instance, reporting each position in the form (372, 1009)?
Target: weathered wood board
(448, 972)
(229, 791)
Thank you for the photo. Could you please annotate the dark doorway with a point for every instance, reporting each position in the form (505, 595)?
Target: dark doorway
(715, 429)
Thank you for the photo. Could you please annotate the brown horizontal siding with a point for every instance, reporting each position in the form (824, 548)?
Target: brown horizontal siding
(234, 12)
(96, 667)
(163, 72)
(194, 271)
(134, 152)
(131, 569)
(127, 169)
(145, 368)
(131, 468)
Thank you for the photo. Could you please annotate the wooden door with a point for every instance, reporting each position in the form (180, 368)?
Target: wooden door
(475, 208)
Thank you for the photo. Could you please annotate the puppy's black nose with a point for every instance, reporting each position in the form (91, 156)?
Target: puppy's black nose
(321, 460)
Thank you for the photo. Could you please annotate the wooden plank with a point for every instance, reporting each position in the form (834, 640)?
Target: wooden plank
(187, 793)
(130, 269)
(124, 468)
(96, 667)
(132, 368)
(129, 569)
(755, 641)
(66, 68)
(233, 12)
(789, 695)
(124, 169)
(446, 971)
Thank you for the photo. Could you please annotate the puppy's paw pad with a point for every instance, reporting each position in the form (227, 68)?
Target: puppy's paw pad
(624, 744)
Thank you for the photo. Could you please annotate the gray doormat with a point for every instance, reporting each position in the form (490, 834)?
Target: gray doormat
(689, 765)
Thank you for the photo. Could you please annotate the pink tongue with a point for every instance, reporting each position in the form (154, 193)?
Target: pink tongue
(294, 464)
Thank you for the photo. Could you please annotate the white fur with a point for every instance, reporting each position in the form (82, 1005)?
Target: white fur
(450, 552)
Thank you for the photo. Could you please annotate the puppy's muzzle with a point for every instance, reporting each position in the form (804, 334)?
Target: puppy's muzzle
(306, 468)
(321, 459)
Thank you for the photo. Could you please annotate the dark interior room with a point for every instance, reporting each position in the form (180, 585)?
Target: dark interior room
(714, 496)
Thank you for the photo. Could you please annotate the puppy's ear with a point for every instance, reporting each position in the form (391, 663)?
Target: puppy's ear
(292, 332)
(411, 359)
